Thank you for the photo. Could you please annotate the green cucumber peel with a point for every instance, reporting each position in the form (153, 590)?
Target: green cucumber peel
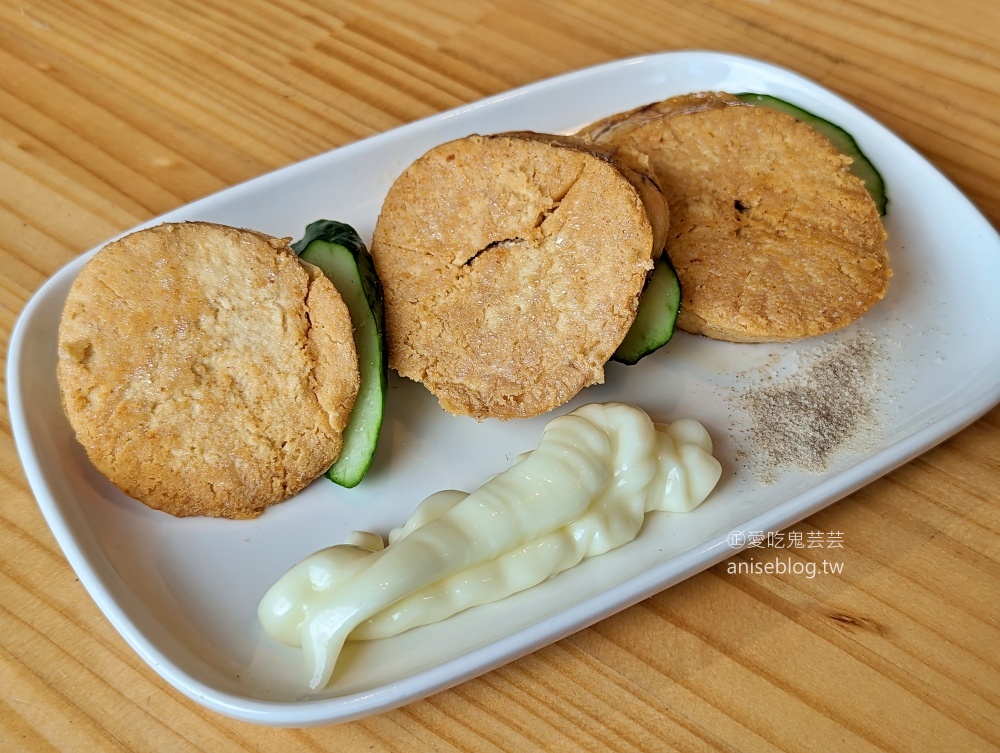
(339, 252)
(656, 316)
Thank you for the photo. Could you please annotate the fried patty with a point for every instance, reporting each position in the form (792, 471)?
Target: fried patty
(512, 267)
(205, 369)
(772, 237)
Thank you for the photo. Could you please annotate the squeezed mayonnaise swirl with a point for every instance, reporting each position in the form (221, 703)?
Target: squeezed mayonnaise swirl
(584, 490)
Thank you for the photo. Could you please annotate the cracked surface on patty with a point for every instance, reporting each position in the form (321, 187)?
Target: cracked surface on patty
(512, 267)
(206, 370)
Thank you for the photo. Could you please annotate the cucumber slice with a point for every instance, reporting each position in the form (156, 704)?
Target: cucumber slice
(338, 250)
(657, 314)
(841, 139)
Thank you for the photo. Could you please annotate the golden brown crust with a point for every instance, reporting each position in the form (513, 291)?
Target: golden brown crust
(633, 165)
(771, 236)
(512, 266)
(205, 369)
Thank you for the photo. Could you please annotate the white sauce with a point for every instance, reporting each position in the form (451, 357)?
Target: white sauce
(583, 491)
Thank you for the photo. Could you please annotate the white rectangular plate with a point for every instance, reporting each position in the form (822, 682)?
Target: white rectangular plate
(184, 592)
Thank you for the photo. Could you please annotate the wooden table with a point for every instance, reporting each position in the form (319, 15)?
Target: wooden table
(113, 112)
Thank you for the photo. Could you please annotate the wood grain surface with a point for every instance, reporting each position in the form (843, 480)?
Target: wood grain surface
(114, 111)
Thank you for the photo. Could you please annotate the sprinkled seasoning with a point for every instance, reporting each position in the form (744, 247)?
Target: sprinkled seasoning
(826, 407)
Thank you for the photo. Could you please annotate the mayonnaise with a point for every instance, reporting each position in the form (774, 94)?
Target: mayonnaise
(584, 490)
